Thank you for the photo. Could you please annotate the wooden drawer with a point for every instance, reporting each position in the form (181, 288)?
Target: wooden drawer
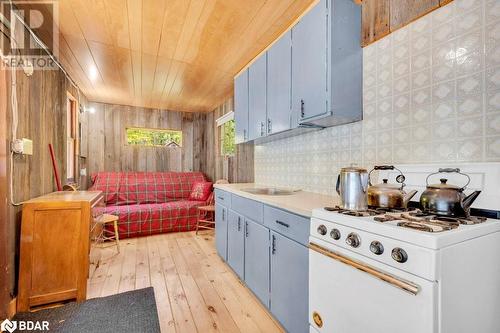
(223, 198)
(290, 225)
(249, 208)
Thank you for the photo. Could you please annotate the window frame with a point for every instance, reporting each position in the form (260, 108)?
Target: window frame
(180, 145)
(220, 122)
(72, 140)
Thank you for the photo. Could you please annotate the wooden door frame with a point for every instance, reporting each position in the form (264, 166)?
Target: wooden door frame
(4, 237)
(75, 109)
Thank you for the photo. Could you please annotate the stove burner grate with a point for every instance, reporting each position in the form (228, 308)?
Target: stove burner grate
(428, 222)
(364, 213)
(411, 218)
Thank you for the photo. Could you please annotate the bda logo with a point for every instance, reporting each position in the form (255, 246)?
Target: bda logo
(8, 326)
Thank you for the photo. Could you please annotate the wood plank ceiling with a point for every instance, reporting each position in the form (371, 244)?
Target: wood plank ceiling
(172, 54)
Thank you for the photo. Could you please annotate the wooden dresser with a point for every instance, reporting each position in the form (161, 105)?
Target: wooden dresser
(55, 247)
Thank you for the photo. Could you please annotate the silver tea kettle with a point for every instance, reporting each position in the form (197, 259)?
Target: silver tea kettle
(446, 199)
(389, 196)
(352, 184)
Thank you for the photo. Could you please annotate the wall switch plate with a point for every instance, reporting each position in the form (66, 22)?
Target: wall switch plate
(22, 146)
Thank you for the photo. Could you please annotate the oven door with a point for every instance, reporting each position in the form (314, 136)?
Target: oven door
(349, 293)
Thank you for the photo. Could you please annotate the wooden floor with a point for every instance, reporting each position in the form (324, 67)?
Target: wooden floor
(195, 290)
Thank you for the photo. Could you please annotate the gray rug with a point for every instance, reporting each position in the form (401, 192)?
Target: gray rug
(132, 311)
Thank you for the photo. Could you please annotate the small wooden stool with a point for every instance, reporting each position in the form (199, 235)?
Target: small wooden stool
(206, 218)
(106, 235)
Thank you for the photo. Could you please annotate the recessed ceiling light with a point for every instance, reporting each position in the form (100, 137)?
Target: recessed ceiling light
(92, 73)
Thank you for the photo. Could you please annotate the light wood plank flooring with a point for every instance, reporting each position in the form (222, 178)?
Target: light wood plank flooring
(195, 290)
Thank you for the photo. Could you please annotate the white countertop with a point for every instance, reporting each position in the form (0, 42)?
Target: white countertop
(300, 202)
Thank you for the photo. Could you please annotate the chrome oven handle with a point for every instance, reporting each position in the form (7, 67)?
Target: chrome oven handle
(407, 286)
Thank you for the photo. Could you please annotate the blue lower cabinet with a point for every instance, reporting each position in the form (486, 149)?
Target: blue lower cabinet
(257, 260)
(289, 283)
(221, 230)
(235, 242)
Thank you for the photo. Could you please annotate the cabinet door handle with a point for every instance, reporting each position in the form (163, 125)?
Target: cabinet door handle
(283, 224)
(239, 223)
(223, 214)
(244, 134)
(269, 125)
(246, 229)
(261, 128)
(220, 198)
(273, 247)
(302, 109)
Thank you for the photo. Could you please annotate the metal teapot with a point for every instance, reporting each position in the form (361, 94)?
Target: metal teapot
(352, 183)
(446, 199)
(385, 195)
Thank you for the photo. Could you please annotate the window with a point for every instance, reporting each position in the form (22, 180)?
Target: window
(226, 134)
(153, 137)
(227, 139)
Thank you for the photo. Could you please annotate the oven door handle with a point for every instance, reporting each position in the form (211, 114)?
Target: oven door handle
(407, 286)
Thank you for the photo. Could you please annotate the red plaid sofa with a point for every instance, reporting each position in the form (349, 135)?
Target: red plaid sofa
(149, 203)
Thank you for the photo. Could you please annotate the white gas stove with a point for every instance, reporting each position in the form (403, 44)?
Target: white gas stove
(413, 273)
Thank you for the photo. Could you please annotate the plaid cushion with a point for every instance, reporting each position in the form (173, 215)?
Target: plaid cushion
(150, 219)
(126, 188)
(201, 191)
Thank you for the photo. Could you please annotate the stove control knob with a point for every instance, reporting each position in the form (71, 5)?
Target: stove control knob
(335, 234)
(322, 230)
(377, 247)
(399, 255)
(353, 239)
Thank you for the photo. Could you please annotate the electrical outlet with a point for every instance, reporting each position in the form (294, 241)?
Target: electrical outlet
(22, 146)
(83, 172)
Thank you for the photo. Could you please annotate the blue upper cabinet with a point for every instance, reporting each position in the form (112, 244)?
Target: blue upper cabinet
(316, 81)
(327, 65)
(309, 64)
(241, 106)
(346, 64)
(279, 84)
(257, 113)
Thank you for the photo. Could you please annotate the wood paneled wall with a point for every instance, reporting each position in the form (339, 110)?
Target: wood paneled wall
(238, 168)
(381, 17)
(5, 254)
(108, 150)
(42, 102)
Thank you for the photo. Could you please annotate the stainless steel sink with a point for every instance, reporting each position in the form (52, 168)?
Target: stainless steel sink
(268, 191)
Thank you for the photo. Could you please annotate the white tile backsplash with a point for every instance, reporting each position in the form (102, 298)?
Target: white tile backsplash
(431, 95)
